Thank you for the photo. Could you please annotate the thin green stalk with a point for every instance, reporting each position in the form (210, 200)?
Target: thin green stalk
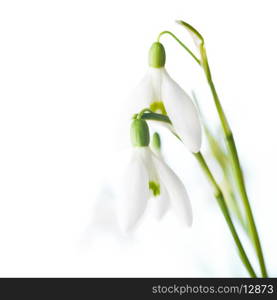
(222, 204)
(238, 173)
(155, 117)
(181, 43)
(248, 210)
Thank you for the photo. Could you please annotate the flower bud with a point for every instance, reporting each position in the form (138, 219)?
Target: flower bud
(156, 142)
(157, 55)
(140, 133)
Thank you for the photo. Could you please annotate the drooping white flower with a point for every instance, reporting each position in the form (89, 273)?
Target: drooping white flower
(162, 94)
(146, 176)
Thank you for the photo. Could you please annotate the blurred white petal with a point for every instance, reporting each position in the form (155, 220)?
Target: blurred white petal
(182, 113)
(177, 193)
(135, 192)
(156, 80)
(142, 95)
(146, 155)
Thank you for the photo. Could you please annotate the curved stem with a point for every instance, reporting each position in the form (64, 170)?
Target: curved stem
(155, 117)
(222, 204)
(140, 114)
(181, 43)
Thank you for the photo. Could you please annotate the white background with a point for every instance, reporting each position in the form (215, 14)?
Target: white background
(65, 69)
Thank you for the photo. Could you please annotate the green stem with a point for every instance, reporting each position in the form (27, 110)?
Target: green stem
(181, 43)
(238, 172)
(249, 214)
(155, 117)
(222, 117)
(222, 204)
(139, 115)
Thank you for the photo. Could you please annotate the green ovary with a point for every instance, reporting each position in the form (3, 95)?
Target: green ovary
(158, 106)
(155, 188)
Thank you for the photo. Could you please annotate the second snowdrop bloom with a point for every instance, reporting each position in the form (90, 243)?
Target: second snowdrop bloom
(146, 176)
(162, 94)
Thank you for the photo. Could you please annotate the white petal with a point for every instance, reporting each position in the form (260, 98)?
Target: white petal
(158, 204)
(177, 193)
(142, 95)
(154, 124)
(147, 156)
(161, 203)
(135, 192)
(182, 112)
(156, 81)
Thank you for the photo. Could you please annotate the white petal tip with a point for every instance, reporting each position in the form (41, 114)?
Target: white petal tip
(126, 230)
(189, 223)
(128, 222)
(185, 218)
(195, 149)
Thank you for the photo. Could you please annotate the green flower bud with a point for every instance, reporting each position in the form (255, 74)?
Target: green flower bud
(140, 133)
(157, 55)
(156, 141)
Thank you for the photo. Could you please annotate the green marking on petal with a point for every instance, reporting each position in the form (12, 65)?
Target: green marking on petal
(156, 142)
(155, 187)
(158, 107)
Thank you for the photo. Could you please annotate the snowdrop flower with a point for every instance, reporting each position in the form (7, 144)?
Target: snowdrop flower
(162, 94)
(147, 175)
